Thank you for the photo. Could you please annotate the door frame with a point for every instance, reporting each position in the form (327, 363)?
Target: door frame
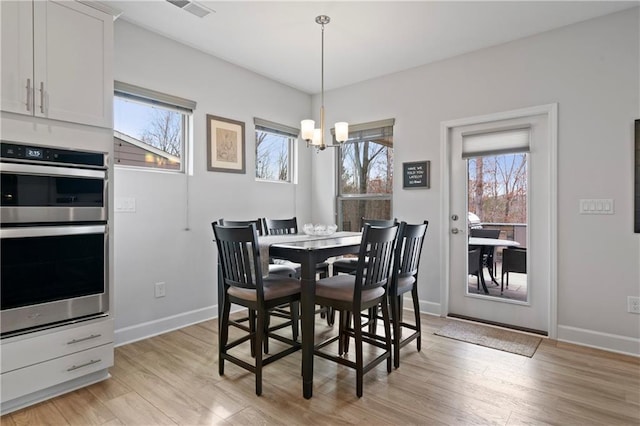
(551, 112)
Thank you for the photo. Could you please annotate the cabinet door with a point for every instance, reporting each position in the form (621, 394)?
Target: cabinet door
(73, 49)
(17, 56)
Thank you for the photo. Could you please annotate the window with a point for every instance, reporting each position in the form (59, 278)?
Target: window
(365, 167)
(150, 128)
(274, 151)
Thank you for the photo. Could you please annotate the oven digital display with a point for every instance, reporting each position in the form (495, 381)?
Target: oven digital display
(33, 152)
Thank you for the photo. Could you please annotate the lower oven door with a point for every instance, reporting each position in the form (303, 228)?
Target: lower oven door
(52, 274)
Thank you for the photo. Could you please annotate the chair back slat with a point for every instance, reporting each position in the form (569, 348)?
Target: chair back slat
(375, 258)
(485, 233)
(239, 256)
(256, 222)
(409, 248)
(281, 226)
(377, 222)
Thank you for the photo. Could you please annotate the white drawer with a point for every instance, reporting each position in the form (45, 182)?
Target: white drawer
(22, 351)
(30, 379)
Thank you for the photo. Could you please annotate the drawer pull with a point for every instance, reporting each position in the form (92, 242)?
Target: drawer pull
(86, 364)
(93, 336)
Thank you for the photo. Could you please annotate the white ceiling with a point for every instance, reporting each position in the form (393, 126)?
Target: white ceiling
(365, 39)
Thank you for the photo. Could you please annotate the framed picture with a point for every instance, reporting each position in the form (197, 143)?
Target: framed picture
(636, 214)
(416, 174)
(225, 145)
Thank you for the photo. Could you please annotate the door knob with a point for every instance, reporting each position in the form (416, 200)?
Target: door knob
(455, 231)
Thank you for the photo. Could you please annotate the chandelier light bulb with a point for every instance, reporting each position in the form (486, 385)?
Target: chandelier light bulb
(306, 129)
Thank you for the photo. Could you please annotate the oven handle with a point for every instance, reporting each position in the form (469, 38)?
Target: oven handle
(36, 169)
(52, 231)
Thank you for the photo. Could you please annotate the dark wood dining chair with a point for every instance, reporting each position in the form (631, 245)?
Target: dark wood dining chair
(347, 265)
(281, 269)
(475, 265)
(290, 226)
(487, 252)
(286, 227)
(514, 259)
(404, 279)
(365, 289)
(292, 312)
(244, 285)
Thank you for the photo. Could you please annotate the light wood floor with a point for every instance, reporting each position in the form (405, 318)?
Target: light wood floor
(173, 379)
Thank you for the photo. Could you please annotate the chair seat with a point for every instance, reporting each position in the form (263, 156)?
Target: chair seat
(346, 262)
(405, 284)
(340, 287)
(274, 287)
(283, 269)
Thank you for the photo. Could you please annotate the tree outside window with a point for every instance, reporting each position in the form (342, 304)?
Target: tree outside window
(366, 176)
(497, 188)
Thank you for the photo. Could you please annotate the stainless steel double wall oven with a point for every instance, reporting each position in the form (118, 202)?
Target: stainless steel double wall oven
(54, 236)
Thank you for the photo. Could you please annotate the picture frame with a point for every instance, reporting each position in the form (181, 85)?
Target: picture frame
(636, 209)
(225, 145)
(416, 175)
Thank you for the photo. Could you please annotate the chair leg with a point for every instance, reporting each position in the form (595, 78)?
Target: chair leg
(342, 336)
(393, 299)
(373, 319)
(224, 336)
(331, 316)
(265, 338)
(416, 312)
(357, 326)
(252, 329)
(262, 316)
(347, 324)
(294, 308)
(387, 332)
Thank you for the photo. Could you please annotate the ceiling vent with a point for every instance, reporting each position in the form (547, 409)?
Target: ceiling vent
(192, 7)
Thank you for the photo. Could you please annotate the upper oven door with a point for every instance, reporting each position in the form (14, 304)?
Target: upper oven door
(33, 193)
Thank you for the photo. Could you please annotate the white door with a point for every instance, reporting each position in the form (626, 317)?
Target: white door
(537, 313)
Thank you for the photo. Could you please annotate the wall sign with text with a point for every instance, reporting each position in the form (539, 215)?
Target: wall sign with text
(416, 174)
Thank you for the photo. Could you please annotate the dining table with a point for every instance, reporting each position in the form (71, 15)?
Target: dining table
(308, 251)
(490, 242)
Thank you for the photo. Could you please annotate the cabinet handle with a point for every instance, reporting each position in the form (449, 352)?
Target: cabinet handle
(93, 336)
(42, 97)
(29, 94)
(86, 364)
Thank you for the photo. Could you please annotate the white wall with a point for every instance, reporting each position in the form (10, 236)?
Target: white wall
(592, 71)
(152, 245)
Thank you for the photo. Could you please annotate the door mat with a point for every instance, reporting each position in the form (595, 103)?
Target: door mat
(490, 337)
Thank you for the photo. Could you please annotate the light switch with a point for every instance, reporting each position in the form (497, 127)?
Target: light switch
(596, 206)
(125, 205)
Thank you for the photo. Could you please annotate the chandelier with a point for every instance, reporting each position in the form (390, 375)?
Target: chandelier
(313, 136)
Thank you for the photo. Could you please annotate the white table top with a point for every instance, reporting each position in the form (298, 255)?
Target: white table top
(479, 241)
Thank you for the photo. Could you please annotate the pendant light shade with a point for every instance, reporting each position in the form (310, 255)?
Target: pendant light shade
(315, 136)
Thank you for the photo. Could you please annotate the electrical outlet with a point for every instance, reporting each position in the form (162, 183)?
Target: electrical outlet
(161, 290)
(633, 304)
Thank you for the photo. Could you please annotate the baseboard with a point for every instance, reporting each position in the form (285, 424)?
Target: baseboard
(595, 339)
(163, 325)
(426, 307)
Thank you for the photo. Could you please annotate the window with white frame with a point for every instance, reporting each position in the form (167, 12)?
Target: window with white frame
(150, 128)
(365, 174)
(274, 151)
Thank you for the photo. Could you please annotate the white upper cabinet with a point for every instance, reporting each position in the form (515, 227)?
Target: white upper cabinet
(57, 61)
